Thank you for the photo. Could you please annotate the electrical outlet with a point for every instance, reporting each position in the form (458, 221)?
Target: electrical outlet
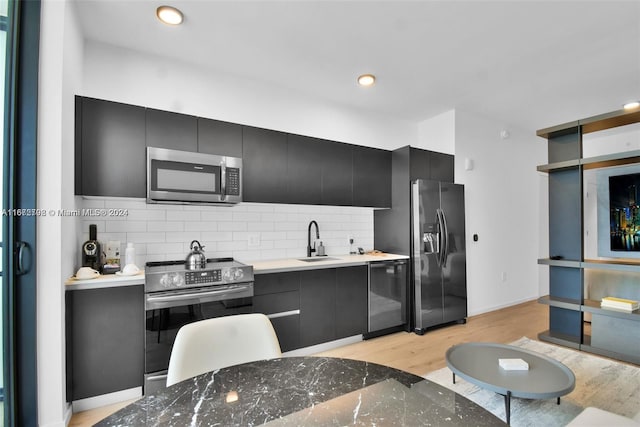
(503, 276)
(253, 240)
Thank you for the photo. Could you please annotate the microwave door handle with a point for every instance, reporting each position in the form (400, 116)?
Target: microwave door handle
(223, 181)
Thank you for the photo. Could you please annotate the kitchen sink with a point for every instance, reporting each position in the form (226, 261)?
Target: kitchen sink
(318, 258)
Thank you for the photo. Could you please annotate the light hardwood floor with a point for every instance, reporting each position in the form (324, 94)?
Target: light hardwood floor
(414, 353)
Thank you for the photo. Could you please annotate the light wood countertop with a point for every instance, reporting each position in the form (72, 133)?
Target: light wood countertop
(330, 261)
(104, 281)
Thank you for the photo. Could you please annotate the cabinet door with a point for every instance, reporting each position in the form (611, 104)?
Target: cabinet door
(276, 282)
(425, 164)
(317, 306)
(110, 149)
(264, 161)
(371, 177)
(441, 167)
(220, 138)
(351, 301)
(419, 164)
(337, 174)
(277, 293)
(288, 331)
(304, 169)
(105, 340)
(171, 130)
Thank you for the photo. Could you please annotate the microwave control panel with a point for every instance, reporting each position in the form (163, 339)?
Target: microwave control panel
(233, 181)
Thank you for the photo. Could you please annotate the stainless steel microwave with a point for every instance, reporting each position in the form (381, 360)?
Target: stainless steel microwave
(175, 176)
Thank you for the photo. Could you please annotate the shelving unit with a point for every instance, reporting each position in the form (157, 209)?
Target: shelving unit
(612, 333)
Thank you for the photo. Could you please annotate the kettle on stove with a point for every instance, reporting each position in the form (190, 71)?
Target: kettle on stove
(196, 259)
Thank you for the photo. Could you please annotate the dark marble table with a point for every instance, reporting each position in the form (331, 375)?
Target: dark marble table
(304, 391)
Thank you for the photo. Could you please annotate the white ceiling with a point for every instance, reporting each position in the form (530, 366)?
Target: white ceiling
(531, 64)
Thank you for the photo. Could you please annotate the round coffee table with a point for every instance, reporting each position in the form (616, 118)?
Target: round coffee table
(477, 363)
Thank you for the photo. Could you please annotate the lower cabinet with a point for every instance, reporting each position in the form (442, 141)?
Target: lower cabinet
(277, 295)
(313, 306)
(351, 301)
(317, 306)
(104, 340)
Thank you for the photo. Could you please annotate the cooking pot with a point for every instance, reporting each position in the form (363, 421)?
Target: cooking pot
(196, 259)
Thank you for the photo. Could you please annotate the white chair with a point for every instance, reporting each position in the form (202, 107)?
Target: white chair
(216, 343)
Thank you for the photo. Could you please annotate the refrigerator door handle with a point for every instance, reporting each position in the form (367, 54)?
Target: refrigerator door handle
(417, 247)
(445, 253)
(444, 238)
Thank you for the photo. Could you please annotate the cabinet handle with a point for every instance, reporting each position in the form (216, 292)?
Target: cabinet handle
(283, 314)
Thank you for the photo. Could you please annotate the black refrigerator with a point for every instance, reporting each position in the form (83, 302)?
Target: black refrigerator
(438, 254)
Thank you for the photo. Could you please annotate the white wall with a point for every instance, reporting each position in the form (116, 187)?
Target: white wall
(502, 208)
(136, 78)
(60, 76)
(438, 133)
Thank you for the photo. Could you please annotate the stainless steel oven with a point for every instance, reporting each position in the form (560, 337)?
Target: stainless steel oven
(176, 296)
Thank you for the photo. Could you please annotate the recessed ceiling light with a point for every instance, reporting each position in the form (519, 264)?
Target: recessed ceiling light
(631, 105)
(169, 15)
(366, 80)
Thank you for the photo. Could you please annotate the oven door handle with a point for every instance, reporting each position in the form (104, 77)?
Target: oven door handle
(162, 301)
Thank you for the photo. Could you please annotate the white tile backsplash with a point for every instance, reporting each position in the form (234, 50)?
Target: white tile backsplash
(164, 232)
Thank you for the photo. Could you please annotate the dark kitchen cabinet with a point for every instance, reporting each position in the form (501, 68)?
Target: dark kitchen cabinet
(264, 160)
(319, 172)
(304, 169)
(431, 165)
(441, 167)
(337, 174)
(312, 307)
(104, 340)
(317, 306)
(110, 155)
(278, 296)
(220, 138)
(371, 177)
(165, 129)
(351, 301)
(333, 304)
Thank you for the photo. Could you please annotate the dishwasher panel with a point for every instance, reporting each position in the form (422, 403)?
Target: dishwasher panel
(387, 294)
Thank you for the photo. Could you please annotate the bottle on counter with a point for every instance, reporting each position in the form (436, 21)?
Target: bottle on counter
(130, 254)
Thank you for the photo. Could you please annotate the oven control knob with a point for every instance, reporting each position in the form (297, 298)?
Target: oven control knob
(165, 280)
(227, 274)
(178, 280)
(238, 274)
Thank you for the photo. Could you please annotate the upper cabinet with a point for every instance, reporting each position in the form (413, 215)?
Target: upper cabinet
(304, 170)
(277, 167)
(337, 174)
(431, 165)
(175, 131)
(264, 164)
(220, 138)
(320, 172)
(110, 149)
(371, 177)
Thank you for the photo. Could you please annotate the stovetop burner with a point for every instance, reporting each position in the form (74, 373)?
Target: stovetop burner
(168, 275)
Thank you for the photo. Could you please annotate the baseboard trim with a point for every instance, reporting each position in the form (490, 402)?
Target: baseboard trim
(319, 348)
(105, 399)
(500, 306)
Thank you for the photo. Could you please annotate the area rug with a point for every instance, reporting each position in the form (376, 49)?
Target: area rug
(600, 382)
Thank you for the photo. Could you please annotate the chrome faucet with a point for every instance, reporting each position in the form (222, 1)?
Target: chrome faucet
(309, 248)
